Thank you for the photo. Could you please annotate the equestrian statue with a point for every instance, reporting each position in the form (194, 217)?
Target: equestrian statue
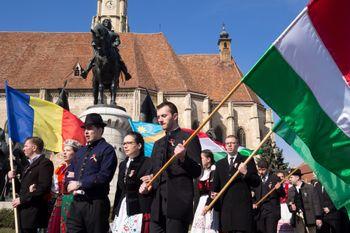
(106, 63)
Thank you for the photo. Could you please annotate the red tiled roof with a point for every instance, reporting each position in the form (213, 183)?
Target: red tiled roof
(34, 60)
(216, 78)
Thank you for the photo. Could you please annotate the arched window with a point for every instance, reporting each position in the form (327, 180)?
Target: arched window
(219, 134)
(241, 137)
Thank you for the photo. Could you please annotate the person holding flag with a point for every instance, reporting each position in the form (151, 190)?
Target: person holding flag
(269, 211)
(172, 206)
(236, 206)
(35, 185)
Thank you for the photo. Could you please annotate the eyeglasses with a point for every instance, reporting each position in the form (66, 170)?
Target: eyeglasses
(128, 143)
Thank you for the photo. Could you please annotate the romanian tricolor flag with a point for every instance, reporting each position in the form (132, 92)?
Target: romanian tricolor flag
(29, 116)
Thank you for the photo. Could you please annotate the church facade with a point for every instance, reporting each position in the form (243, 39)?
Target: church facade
(38, 63)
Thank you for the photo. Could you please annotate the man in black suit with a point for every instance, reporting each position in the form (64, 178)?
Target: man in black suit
(236, 206)
(172, 206)
(304, 204)
(269, 211)
(35, 185)
(331, 217)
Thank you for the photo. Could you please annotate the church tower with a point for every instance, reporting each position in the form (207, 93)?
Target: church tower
(224, 44)
(116, 10)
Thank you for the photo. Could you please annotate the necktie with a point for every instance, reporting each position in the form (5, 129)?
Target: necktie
(231, 162)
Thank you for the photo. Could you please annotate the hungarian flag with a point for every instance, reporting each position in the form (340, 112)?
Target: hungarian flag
(29, 116)
(208, 144)
(304, 77)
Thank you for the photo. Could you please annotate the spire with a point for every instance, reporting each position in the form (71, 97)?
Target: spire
(224, 44)
(116, 11)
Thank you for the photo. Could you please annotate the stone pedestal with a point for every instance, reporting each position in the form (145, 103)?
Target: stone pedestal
(117, 126)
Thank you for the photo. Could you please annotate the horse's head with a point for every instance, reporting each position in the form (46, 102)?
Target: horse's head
(101, 40)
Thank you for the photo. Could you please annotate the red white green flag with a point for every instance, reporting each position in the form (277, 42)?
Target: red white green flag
(304, 77)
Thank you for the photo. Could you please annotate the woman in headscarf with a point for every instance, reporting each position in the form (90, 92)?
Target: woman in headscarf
(132, 209)
(58, 218)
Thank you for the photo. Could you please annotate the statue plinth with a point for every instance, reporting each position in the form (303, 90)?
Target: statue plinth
(118, 125)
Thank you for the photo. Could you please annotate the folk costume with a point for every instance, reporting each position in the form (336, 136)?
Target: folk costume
(132, 209)
(58, 219)
(209, 223)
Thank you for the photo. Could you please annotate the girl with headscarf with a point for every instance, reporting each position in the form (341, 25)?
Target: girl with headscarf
(58, 218)
(209, 222)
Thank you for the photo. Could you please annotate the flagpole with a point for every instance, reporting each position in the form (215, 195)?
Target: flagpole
(13, 185)
(226, 186)
(274, 188)
(166, 165)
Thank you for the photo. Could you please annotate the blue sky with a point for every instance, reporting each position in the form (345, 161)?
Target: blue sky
(191, 26)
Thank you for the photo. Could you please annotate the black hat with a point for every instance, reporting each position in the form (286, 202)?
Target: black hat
(94, 119)
(262, 163)
(297, 172)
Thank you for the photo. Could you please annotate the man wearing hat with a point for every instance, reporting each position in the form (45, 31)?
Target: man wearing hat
(88, 178)
(304, 205)
(268, 212)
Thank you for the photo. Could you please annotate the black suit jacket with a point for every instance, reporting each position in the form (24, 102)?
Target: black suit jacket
(177, 181)
(33, 210)
(129, 186)
(310, 201)
(236, 203)
(334, 215)
(271, 205)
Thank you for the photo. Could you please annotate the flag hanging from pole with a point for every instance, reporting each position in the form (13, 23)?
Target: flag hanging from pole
(29, 116)
(304, 78)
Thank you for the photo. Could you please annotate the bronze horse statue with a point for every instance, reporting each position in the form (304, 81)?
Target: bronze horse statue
(106, 64)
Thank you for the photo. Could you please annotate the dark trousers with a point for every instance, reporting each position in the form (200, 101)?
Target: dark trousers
(89, 216)
(331, 226)
(168, 225)
(31, 230)
(266, 225)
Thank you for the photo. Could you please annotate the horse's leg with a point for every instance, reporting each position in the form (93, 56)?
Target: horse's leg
(100, 93)
(114, 86)
(95, 91)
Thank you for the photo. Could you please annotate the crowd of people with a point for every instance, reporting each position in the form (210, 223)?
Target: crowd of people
(177, 201)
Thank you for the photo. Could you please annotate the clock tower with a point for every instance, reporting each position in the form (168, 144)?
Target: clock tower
(116, 10)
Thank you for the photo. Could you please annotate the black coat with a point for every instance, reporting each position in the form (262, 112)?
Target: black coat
(334, 215)
(310, 201)
(271, 205)
(177, 181)
(128, 186)
(235, 206)
(33, 210)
